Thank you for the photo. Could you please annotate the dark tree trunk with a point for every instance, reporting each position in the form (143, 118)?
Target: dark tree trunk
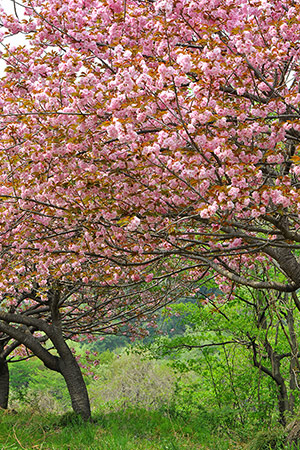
(68, 365)
(282, 395)
(283, 402)
(4, 383)
(76, 386)
(294, 361)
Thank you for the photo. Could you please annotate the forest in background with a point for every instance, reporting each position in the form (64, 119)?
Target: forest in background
(197, 376)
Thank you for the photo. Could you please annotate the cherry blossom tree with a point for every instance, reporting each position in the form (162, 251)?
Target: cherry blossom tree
(144, 141)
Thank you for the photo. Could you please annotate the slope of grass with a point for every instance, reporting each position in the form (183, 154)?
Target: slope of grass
(127, 430)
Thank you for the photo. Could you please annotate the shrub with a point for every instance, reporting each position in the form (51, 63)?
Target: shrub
(132, 381)
(273, 439)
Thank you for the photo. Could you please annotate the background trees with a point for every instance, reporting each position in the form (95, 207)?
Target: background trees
(225, 340)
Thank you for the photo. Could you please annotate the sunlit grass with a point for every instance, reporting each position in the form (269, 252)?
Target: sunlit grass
(127, 430)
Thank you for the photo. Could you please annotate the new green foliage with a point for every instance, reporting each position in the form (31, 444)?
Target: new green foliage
(245, 353)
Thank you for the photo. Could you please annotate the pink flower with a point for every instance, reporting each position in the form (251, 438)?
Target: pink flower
(135, 277)
(234, 192)
(184, 61)
(149, 278)
(133, 225)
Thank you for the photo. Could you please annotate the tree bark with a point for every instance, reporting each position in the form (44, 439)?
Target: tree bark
(68, 365)
(282, 395)
(294, 361)
(283, 400)
(4, 383)
(71, 372)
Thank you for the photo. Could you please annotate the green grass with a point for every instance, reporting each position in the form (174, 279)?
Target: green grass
(126, 430)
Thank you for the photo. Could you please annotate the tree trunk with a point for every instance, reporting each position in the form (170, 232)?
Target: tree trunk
(282, 395)
(68, 365)
(71, 372)
(4, 383)
(283, 400)
(294, 361)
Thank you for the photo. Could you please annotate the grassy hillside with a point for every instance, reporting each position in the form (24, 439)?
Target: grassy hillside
(127, 430)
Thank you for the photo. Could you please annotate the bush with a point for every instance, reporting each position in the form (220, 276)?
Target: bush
(273, 439)
(130, 380)
(293, 433)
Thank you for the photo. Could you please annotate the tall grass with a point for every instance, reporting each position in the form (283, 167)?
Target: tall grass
(131, 429)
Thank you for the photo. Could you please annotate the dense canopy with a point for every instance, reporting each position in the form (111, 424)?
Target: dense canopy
(137, 132)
